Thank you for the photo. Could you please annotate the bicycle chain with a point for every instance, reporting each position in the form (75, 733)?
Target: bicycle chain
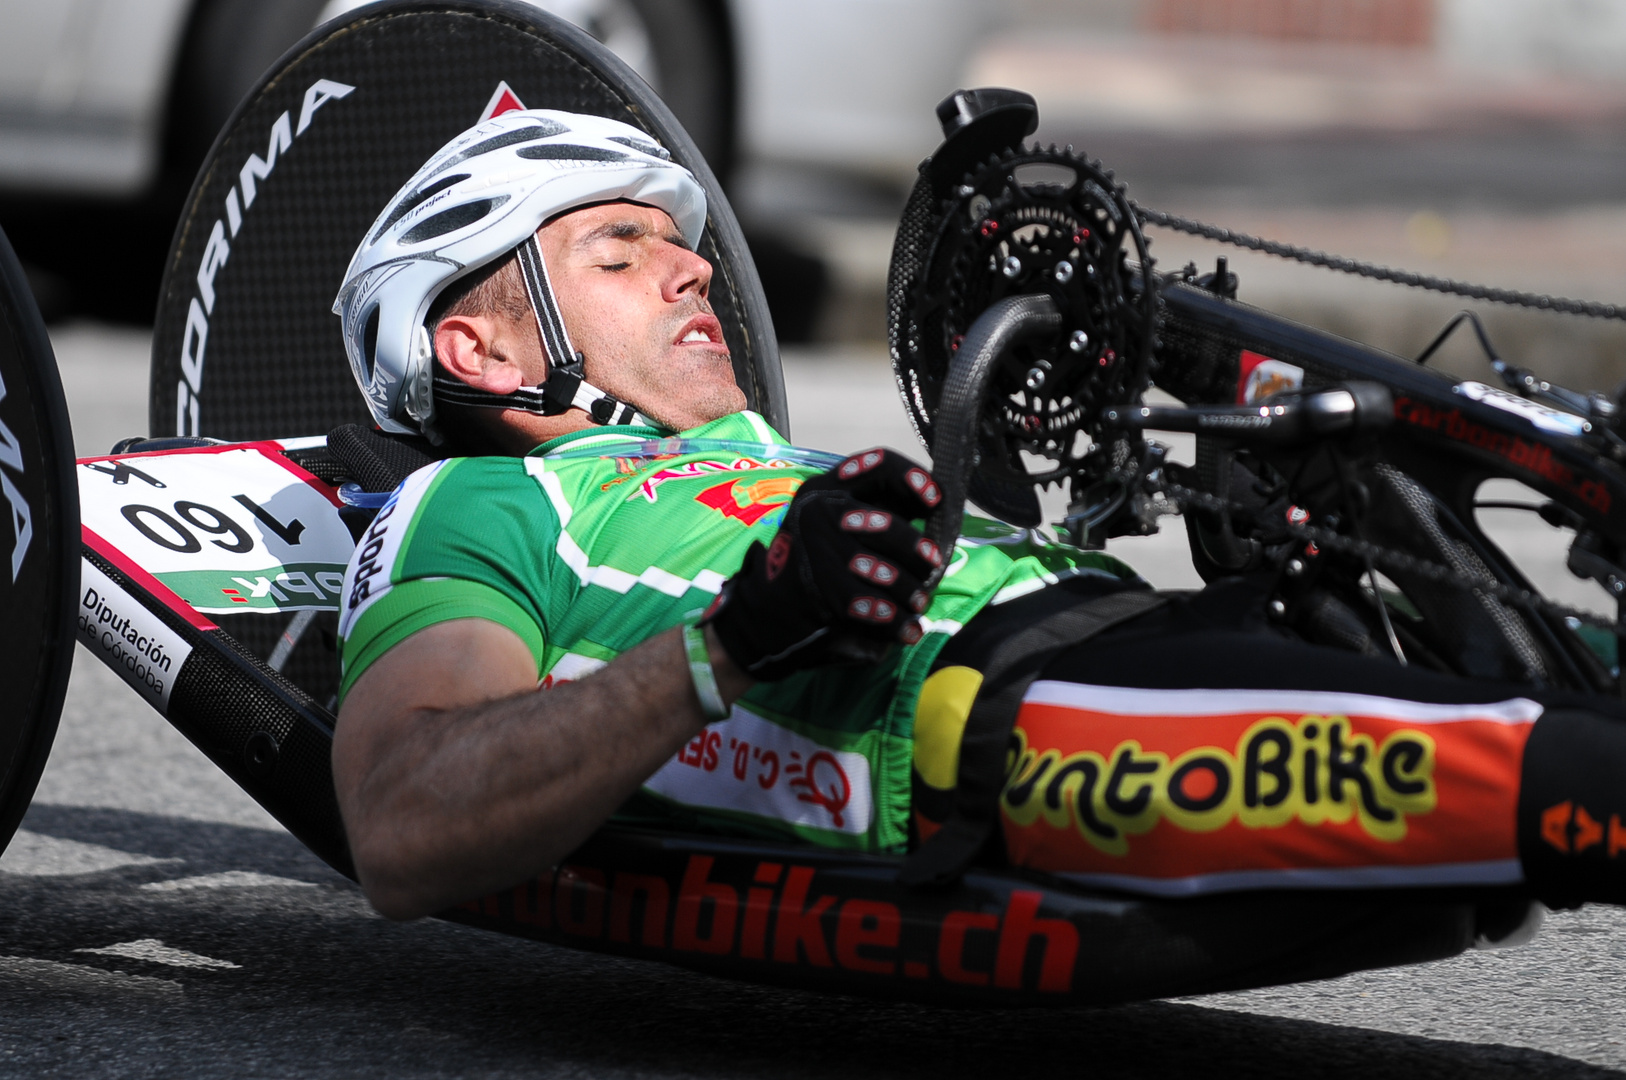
(1326, 538)
(1389, 559)
(1591, 309)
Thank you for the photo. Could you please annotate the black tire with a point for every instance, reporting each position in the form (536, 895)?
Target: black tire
(229, 44)
(693, 49)
(39, 545)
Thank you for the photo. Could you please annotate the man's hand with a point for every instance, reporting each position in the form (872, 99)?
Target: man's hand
(844, 577)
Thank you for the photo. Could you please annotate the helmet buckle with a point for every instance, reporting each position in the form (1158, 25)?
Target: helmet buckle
(418, 399)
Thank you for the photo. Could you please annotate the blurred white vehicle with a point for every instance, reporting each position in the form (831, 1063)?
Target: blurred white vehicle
(91, 90)
(108, 106)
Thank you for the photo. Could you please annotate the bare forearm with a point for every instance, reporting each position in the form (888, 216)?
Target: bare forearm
(466, 800)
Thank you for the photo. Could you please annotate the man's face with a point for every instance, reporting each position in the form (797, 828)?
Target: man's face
(633, 297)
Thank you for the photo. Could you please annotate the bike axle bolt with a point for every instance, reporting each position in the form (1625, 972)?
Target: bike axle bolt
(1012, 266)
(1064, 272)
(1035, 378)
(1079, 341)
(1278, 608)
(1295, 567)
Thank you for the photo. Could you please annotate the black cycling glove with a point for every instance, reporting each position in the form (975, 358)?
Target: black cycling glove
(843, 578)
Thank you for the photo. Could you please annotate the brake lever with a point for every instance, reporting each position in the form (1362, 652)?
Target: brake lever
(1525, 383)
(1284, 418)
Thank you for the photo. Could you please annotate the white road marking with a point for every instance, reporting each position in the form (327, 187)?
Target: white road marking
(32, 854)
(154, 951)
(228, 879)
(54, 976)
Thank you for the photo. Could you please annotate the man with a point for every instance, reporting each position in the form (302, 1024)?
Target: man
(454, 776)
(712, 634)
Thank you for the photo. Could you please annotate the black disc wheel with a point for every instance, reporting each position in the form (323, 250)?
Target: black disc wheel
(39, 544)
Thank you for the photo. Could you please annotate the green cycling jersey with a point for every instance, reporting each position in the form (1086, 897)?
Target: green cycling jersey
(601, 539)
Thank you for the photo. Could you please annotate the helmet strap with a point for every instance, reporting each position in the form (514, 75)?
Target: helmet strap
(565, 388)
(549, 322)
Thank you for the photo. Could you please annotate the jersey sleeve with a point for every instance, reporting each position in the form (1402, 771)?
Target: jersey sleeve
(461, 539)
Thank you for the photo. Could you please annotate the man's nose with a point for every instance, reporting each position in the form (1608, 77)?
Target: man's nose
(689, 274)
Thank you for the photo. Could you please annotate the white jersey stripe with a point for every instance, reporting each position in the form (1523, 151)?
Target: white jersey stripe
(1492, 872)
(372, 570)
(1132, 701)
(1044, 579)
(609, 577)
(549, 480)
(760, 426)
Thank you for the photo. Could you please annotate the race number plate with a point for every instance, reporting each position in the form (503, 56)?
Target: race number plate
(228, 530)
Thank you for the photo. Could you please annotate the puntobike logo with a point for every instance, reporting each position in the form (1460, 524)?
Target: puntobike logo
(1315, 770)
(217, 249)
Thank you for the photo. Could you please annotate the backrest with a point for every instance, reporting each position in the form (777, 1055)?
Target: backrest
(245, 345)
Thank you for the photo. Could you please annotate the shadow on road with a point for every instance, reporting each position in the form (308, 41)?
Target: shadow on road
(324, 987)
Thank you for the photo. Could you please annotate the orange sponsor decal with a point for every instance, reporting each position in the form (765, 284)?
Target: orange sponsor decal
(1140, 793)
(1569, 828)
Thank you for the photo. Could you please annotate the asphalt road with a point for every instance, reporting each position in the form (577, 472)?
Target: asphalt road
(158, 923)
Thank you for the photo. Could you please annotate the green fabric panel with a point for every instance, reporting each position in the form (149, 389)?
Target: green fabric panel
(447, 470)
(416, 605)
(481, 521)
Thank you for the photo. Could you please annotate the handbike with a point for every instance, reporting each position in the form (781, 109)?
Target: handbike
(1028, 321)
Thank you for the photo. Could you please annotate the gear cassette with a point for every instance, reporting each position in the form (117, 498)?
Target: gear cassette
(1042, 221)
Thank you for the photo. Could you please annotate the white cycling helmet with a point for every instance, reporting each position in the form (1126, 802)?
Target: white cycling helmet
(483, 195)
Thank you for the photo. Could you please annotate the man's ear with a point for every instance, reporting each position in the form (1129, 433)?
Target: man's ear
(465, 345)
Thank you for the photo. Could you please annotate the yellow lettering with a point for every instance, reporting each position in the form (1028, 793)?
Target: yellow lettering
(1315, 770)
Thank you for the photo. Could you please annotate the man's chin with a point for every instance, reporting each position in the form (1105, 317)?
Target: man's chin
(696, 405)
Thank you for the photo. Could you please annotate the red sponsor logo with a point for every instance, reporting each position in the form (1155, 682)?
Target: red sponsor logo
(780, 917)
(1260, 376)
(649, 488)
(749, 502)
(650, 485)
(1098, 791)
(1569, 828)
(1532, 457)
(819, 780)
(822, 782)
(503, 100)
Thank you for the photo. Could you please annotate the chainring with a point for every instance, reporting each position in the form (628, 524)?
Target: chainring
(1034, 221)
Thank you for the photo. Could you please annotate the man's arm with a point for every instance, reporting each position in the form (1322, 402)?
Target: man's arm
(456, 776)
